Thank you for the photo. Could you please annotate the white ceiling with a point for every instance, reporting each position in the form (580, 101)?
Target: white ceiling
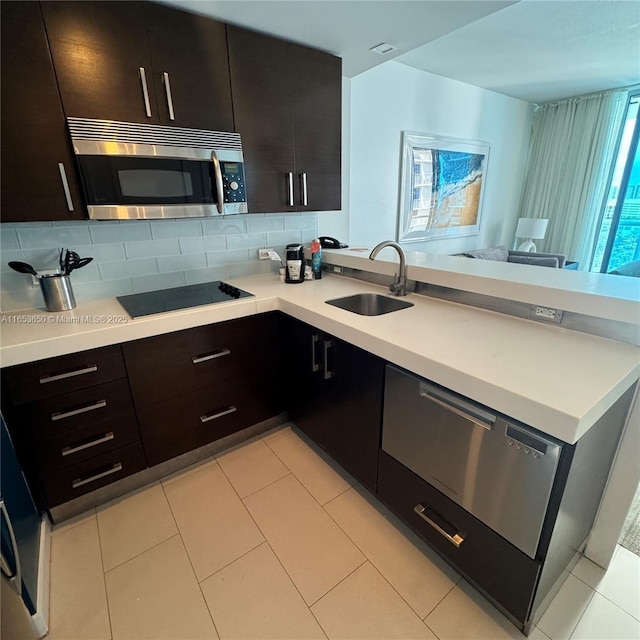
(536, 50)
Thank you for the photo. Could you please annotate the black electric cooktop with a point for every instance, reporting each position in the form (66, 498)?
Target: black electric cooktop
(195, 295)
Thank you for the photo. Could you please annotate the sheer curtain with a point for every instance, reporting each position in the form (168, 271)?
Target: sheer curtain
(570, 155)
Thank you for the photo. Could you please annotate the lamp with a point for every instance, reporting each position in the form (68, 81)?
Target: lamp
(531, 228)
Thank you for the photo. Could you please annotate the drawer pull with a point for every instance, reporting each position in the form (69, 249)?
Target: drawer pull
(61, 415)
(69, 374)
(463, 409)
(79, 482)
(219, 414)
(456, 538)
(211, 356)
(67, 451)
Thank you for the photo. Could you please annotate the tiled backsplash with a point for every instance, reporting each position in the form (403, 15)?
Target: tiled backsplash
(133, 256)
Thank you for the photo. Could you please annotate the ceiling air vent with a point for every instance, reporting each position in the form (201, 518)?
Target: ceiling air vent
(383, 48)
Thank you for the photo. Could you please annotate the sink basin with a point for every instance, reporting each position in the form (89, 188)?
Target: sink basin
(370, 304)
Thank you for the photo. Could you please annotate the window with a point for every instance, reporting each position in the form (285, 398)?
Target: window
(618, 239)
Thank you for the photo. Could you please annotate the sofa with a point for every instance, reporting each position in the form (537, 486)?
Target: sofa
(502, 254)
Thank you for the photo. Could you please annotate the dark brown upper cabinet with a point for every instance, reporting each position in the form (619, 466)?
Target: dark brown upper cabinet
(140, 62)
(287, 108)
(38, 174)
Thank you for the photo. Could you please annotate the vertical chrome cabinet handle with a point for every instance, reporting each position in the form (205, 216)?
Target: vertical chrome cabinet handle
(79, 482)
(145, 92)
(327, 374)
(218, 174)
(65, 186)
(315, 366)
(290, 184)
(305, 198)
(167, 90)
(17, 576)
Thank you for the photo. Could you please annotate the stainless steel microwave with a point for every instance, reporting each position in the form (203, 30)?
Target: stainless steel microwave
(139, 171)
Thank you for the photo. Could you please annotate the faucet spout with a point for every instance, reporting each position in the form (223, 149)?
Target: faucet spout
(399, 286)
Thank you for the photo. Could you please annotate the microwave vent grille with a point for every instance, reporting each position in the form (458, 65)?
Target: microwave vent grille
(151, 134)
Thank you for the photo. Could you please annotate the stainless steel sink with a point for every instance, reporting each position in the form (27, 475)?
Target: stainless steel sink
(370, 304)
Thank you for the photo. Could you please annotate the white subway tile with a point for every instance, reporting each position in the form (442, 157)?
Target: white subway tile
(130, 232)
(302, 221)
(152, 248)
(101, 252)
(284, 237)
(247, 240)
(182, 262)
(9, 239)
(308, 235)
(202, 245)
(224, 226)
(160, 281)
(266, 223)
(249, 269)
(88, 273)
(128, 268)
(220, 258)
(47, 237)
(161, 229)
(25, 225)
(103, 289)
(198, 276)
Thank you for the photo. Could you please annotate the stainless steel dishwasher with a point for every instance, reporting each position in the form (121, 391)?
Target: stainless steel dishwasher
(500, 471)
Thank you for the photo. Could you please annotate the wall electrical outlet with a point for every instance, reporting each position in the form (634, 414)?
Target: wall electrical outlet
(546, 313)
(263, 254)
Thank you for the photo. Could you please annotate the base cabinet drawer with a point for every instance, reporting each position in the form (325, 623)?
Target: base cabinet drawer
(72, 447)
(496, 566)
(54, 376)
(92, 474)
(181, 424)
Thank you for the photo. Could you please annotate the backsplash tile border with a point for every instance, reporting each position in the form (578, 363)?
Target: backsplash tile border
(132, 255)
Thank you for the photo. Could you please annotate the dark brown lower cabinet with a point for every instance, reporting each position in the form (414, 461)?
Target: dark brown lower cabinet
(334, 395)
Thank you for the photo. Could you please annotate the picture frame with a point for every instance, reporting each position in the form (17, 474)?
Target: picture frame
(442, 187)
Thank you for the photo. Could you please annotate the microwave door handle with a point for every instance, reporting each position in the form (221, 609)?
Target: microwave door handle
(218, 174)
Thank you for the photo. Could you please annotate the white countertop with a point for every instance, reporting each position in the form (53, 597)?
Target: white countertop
(556, 380)
(593, 294)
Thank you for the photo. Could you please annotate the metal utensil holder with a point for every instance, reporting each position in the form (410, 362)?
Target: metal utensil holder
(57, 292)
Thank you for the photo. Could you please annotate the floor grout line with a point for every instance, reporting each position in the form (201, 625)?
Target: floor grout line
(184, 546)
(104, 575)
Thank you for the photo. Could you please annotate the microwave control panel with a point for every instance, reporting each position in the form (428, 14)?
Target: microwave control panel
(233, 182)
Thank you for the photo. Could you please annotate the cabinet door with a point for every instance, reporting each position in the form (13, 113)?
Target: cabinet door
(317, 120)
(98, 49)
(262, 84)
(34, 138)
(192, 51)
(353, 410)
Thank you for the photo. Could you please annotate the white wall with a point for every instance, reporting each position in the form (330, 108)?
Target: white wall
(393, 98)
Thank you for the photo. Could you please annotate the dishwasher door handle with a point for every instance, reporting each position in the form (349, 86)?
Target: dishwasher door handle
(456, 538)
(463, 409)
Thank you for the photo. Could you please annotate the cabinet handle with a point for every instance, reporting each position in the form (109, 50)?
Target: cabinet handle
(456, 539)
(65, 186)
(61, 415)
(167, 90)
(16, 578)
(211, 356)
(67, 451)
(303, 178)
(79, 482)
(145, 92)
(315, 338)
(476, 415)
(290, 184)
(327, 374)
(217, 171)
(218, 414)
(68, 374)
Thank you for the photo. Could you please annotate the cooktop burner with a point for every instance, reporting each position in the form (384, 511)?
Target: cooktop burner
(195, 295)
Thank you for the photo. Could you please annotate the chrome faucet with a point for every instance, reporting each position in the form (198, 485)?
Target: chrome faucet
(399, 286)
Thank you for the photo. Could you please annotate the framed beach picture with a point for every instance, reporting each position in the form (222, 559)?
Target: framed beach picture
(442, 187)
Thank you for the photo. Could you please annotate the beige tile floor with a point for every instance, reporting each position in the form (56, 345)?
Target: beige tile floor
(271, 540)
